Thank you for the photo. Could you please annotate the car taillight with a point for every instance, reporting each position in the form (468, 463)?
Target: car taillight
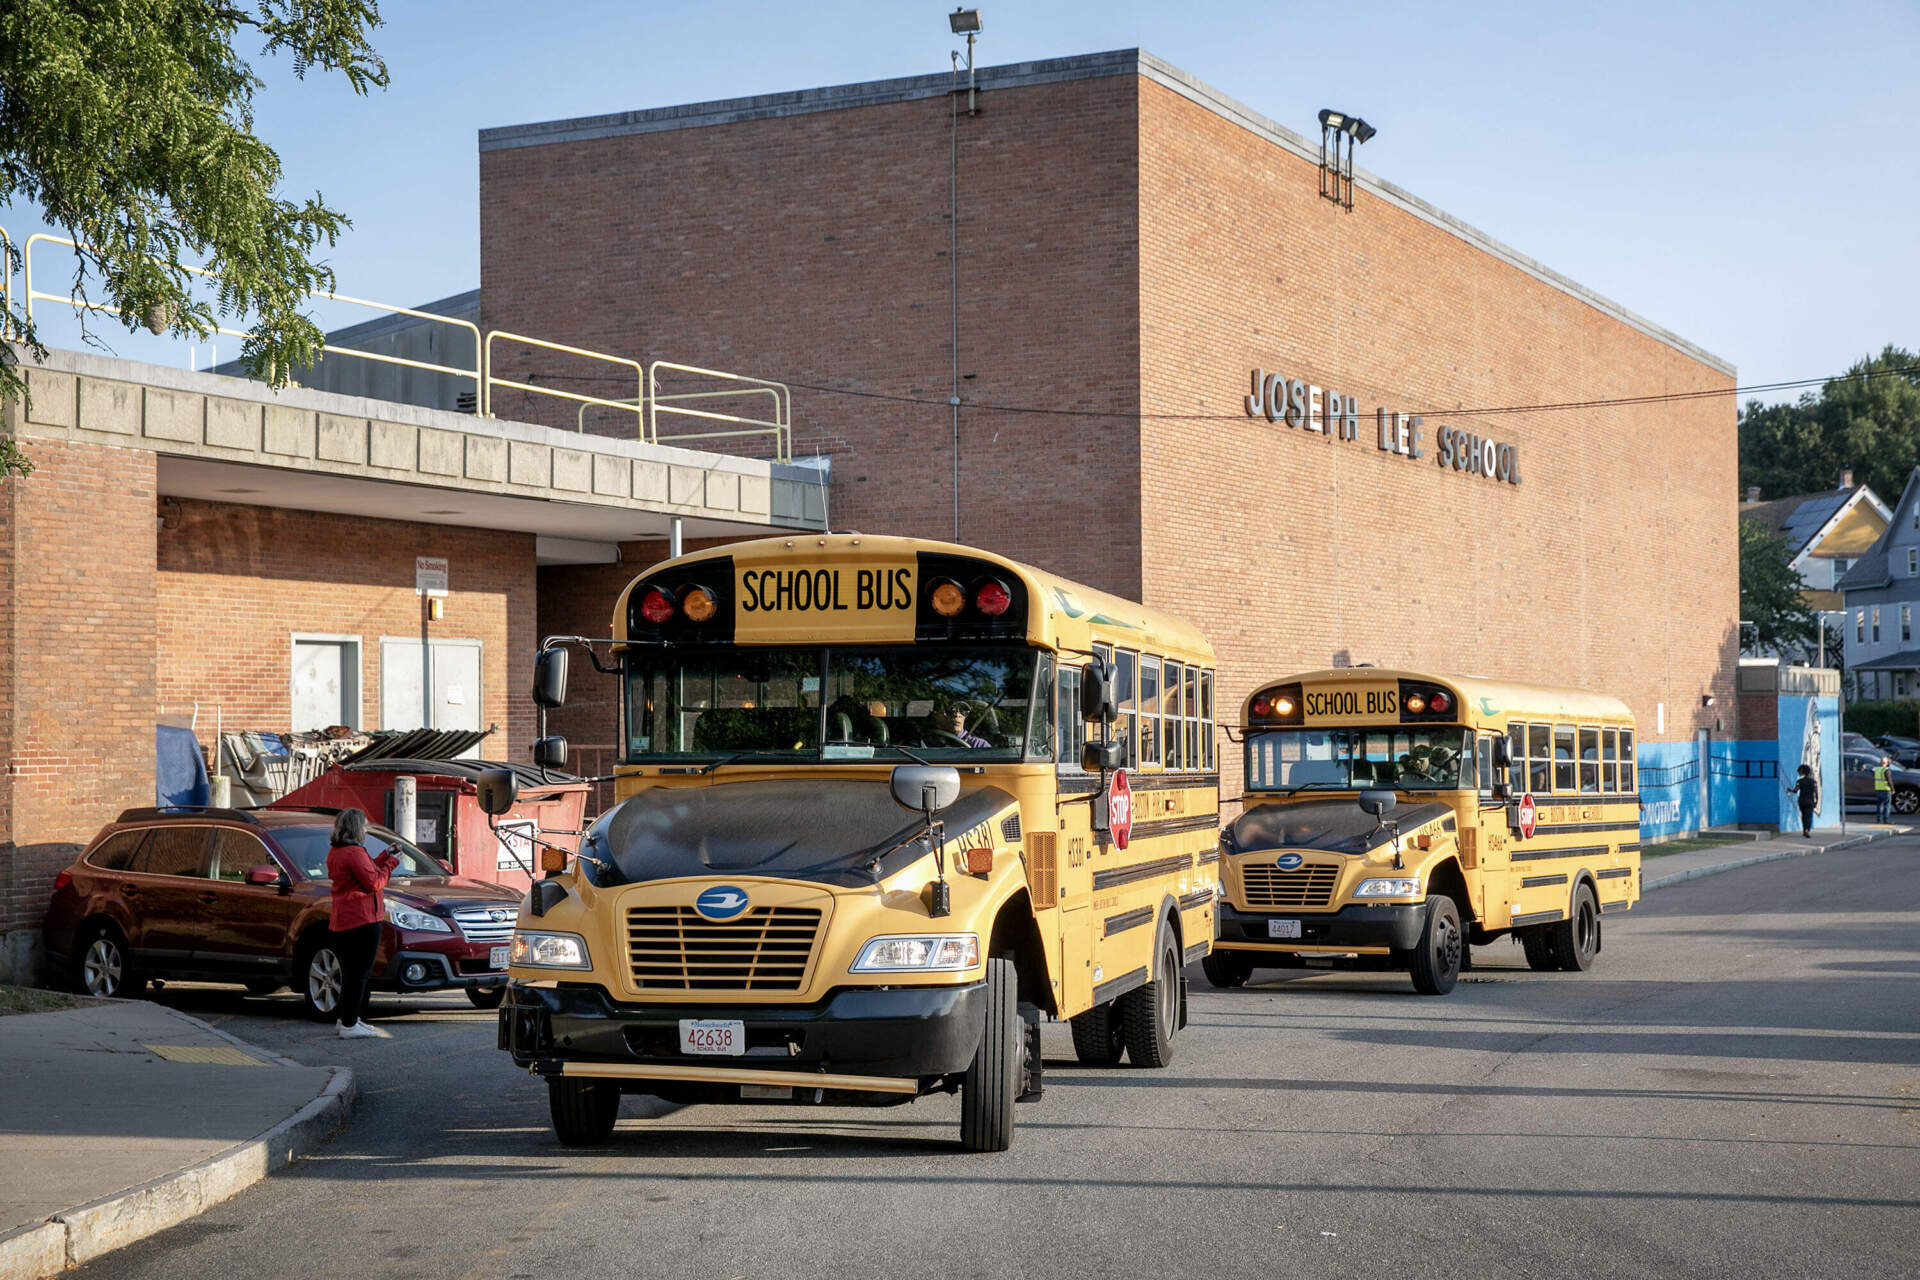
(657, 605)
(62, 880)
(992, 599)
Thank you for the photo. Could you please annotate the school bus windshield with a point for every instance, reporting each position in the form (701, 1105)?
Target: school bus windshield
(1354, 759)
(789, 704)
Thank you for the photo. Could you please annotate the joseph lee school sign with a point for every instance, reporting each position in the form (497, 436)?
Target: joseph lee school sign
(1336, 416)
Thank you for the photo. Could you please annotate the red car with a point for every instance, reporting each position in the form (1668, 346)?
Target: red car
(241, 895)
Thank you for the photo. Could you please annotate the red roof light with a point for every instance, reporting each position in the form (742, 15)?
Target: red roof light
(1439, 702)
(657, 605)
(992, 599)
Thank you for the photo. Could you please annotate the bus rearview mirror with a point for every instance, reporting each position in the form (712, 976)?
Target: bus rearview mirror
(550, 752)
(1096, 694)
(925, 788)
(1376, 803)
(496, 789)
(1103, 757)
(550, 678)
(1502, 756)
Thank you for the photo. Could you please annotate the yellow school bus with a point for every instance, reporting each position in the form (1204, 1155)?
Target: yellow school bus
(1398, 817)
(883, 806)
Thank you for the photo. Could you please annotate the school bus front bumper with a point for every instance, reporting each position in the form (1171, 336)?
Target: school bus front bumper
(1364, 927)
(884, 1036)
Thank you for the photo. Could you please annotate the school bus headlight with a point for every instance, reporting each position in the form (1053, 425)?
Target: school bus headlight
(698, 604)
(549, 951)
(1401, 888)
(929, 953)
(948, 599)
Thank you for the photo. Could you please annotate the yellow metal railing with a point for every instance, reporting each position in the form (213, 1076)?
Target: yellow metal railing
(493, 379)
(30, 295)
(780, 426)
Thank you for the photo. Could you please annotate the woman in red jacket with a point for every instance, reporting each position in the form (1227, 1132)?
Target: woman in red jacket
(359, 913)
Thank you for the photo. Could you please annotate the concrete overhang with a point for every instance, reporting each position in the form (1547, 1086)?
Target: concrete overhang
(224, 439)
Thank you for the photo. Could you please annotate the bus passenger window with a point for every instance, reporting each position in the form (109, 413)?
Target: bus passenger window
(1207, 744)
(1539, 758)
(1590, 760)
(1563, 762)
(1517, 759)
(1609, 761)
(1193, 718)
(1040, 719)
(1170, 707)
(1485, 754)
(1149, 710)
(1124, 662)
(1626, 761)
(1072, 729)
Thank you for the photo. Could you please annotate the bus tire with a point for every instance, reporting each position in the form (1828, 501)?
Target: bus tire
(992, 1081)
(1149, 1014)
(1435, 963)
(583, 1111)
(1576, 940)
(1224, 969)
(1098, 1039)
(1541, 955)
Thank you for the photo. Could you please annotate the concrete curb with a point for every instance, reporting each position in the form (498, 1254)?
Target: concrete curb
(1777, 855)
(80, 1235)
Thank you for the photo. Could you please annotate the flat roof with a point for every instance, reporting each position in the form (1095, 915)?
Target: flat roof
(1088, 66)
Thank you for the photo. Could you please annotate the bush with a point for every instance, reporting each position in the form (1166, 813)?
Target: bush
(1891, 715)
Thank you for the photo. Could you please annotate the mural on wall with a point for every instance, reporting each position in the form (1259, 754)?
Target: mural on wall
(1809, 733)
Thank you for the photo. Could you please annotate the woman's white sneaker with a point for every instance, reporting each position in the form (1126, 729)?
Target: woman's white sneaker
(362, 1031)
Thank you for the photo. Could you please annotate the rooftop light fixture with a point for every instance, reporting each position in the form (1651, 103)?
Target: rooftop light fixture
(1336, 163)
(965, 22)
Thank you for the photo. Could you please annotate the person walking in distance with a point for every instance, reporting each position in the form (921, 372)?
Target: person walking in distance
(1883, 790)
(359, 913)
(1806, 788)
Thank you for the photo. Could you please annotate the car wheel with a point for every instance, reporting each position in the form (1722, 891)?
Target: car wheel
(1435, 963)
(101, 966)
(583, 1111)
(1151, 1013)
(1223, 969)
(322, 977)
(1097, 1037)
(992, 1081)
(487, 997)
(1576, 940)
(1906, 800)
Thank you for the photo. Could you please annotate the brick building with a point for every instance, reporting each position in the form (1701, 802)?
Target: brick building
(1133, 249)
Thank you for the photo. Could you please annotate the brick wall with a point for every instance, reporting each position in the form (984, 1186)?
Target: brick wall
(236, 582)
(1612, 567)
(78, 670)
(814, 248)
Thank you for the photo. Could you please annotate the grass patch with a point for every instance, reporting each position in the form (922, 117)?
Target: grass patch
(33, 1000)
(1691, 844)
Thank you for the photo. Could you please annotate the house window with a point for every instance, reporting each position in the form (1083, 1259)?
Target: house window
(1860, 624)
(1906, 622)
(1913, 562)
(1876, 624)
(1899, 684)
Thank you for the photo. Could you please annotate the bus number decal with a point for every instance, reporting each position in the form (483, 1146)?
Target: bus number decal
(1373, 702)
(814, 590)
(1076, 852)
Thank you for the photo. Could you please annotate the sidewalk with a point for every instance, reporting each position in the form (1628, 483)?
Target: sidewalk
(1657, 872)
(143, 1117)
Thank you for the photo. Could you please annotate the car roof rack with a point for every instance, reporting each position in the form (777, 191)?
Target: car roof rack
(151, 812)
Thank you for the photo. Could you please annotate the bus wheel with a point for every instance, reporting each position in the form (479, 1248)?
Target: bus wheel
(1577, 938)
(1150, 1013)
(1538, 944)
(1098, 1037)
(992, 1082)
(583, 1111)
(1224, 969)
(1435, 963)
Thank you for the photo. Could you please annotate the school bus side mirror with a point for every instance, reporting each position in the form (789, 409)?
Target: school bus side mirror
(925, 788)
(1096, 694)
(550, 678)
(1500, 791)
(1103, 757)
(550, 752)
(1502, 757)
(496, 790)
(1376, 803)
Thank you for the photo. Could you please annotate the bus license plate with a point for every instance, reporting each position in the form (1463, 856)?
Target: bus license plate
(1283, 928)
(725, 1037)
(497, 958)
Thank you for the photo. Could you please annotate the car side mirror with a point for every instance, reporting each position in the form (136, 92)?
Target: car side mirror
(265, 873)
(925, 788)
(550, 678)
(1103, 757)
(496, 789)
(1376, 804)
(1096, 694)
(551, 752)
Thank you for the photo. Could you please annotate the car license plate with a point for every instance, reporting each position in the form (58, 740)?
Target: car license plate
(725, 1037)
(1283, 928)
(497, 958)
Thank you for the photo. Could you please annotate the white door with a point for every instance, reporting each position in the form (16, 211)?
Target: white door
(325, 684)
(456, 685)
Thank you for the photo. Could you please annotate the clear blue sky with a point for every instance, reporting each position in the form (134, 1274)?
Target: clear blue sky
(1744, 174)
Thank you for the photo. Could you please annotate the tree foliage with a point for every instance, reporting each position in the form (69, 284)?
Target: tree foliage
(1868, 421)
(1770, 594)
(130, 124)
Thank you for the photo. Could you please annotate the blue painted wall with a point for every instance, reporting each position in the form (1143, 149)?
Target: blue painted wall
(1669, 788)
(1794, 747)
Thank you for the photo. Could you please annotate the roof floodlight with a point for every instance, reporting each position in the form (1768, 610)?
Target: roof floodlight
(964, 21)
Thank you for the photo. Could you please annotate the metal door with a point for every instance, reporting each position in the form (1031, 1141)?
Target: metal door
(455, 674)
(323, 679)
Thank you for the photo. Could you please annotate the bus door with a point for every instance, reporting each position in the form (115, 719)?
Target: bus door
(1488, 862)
(1073, 861)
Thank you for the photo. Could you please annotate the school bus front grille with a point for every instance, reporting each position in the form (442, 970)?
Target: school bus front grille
(1269, 888)
(766, 949)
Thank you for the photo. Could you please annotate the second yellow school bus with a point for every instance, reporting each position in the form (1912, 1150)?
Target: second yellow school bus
(1400, 817)
(862, 847)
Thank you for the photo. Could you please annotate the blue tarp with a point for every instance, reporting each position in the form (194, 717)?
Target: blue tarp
(180, 771)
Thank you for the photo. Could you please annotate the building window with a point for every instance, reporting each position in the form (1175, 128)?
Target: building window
(1913, 562)
(1906, 622)
(1860, 624)
(1876, 624)
(1899, 684)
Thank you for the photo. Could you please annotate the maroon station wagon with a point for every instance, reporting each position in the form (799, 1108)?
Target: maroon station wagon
(241, 895)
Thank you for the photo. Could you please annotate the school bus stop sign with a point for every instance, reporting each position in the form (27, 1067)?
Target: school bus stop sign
(1524, 815)
(1120, 808)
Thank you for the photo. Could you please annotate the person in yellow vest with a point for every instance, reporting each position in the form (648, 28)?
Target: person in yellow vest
(1883, 790)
